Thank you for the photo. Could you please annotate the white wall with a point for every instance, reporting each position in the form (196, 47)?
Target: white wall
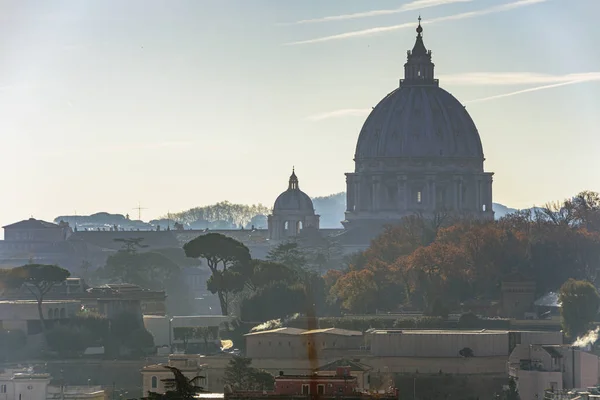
(438, 344)
(532, 383)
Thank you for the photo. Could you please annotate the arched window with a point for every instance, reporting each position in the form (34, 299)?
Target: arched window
(154, 382)
(56, 313)
(419, 197)
(286, 225)
(63, 313)
(50, 313)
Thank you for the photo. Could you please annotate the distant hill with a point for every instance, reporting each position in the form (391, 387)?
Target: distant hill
(224, 215)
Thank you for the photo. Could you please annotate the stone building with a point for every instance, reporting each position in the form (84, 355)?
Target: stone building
(293, 213)
(418, 152)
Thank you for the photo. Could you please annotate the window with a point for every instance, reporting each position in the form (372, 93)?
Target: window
(154, 382)
(419, 197)
(2, 388)
(305, 389)
(320, 389)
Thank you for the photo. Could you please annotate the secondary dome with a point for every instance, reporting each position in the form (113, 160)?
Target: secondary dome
(293, 199)
(419, 119)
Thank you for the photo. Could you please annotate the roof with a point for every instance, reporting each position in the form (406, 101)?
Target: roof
(296, 331)
(106, 239)
(293, 199)
(419, 121)
(280, 331)
(354, 365)
(438, 332)
(31, 223)
(333, 331)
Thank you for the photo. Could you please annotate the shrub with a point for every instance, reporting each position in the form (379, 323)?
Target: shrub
(68, 340)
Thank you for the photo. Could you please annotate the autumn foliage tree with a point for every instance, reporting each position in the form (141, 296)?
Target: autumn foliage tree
(423, 260)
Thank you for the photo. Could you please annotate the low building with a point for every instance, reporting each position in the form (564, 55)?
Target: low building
(167, 330)
(24, 315)
(450, 343)
(300, 343)
(153, 376)
(339, 384)
(537, 368)
(362, 372)
(27, 384)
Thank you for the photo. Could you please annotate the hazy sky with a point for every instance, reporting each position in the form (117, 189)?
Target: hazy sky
(183, 103)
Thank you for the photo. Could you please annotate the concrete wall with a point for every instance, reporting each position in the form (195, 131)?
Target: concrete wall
(276, 345)
(541, 337)
(587, 369)
(532, 384)
(438, 344)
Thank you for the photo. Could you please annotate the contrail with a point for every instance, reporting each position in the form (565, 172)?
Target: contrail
(534, 89)
(413, 5)
(384, 29)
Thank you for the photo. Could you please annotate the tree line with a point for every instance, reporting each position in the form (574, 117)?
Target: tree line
(422, 262)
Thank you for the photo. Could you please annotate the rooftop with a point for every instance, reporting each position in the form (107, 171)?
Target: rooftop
(31, 223)
(283, 331)
(438, 332)
(333, 331)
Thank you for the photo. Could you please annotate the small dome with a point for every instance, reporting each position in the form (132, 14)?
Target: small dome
(293, 199)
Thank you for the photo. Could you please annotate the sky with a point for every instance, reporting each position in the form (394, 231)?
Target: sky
(108, 104)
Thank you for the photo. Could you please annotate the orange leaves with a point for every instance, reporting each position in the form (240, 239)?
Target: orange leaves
(357, 290)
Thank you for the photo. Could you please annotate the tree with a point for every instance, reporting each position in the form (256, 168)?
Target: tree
(274, 301)
(228, 261)
(68, 340)
(288, 254)
(358, 291)
(265, 273)
(179, 387)
(38, 279)
(579, 306)
(241, 376)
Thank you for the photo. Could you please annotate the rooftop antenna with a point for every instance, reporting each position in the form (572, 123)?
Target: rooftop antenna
(139, 209)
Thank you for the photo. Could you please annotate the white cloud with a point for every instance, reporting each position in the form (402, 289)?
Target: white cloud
(346, 112)
(385, 29)
(413, 5)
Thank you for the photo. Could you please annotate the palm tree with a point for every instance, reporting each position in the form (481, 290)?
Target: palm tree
(179, 387)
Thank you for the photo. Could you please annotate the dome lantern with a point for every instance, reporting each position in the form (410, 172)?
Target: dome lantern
(418, 69)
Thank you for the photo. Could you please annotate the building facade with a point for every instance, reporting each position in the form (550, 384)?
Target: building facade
(418, 152)
(537, 368)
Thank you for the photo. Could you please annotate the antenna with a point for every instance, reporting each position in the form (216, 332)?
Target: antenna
(139, 209)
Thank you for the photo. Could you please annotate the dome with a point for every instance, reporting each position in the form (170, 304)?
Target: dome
(419, 121)
(293, 199)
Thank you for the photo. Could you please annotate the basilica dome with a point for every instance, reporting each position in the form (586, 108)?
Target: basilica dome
(293, 199)
(419, 119)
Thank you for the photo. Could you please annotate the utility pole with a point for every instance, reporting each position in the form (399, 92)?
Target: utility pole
(139, 209)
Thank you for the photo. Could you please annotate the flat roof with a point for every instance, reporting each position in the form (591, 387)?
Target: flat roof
(438, 332)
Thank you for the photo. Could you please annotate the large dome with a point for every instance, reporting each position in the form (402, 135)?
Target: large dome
(293, 199)
(419, 121)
